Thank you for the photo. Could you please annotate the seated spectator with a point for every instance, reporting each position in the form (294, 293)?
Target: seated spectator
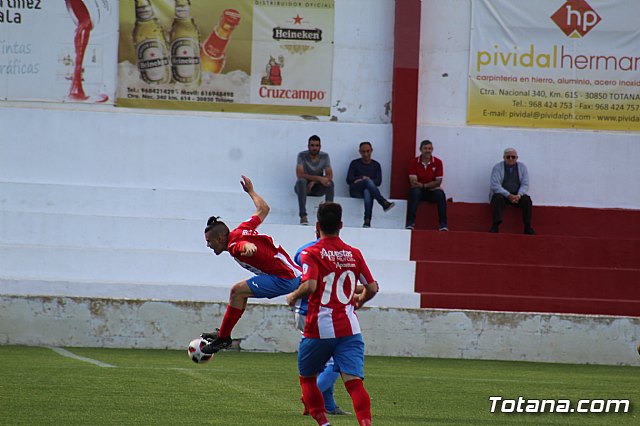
(315, 176)
(364, 177)
(509, 185)
(425, 179)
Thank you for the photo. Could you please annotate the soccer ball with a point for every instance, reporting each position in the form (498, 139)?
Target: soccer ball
(195, 353)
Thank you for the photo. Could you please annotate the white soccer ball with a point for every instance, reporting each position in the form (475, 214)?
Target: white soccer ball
(195, 353)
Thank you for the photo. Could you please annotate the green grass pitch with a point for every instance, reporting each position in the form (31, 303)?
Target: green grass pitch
(162, 387)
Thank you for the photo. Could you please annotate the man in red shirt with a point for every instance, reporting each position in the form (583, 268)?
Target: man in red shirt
(275, 273)
(331, 272)
(425, 179)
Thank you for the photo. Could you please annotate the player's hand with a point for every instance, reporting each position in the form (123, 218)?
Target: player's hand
(291, 300)
(249, 249)
(357, 301)
(246, 183)
(309, 186)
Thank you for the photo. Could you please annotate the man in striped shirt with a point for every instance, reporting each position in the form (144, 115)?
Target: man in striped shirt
(331, 271)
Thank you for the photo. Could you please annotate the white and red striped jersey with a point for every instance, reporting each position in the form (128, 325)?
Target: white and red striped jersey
(337, 269)
(269, 259)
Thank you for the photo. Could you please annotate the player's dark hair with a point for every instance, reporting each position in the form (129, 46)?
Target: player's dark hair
(365, 143)
(216, 226)
(425, 142)
(330, 217)
(314, 138)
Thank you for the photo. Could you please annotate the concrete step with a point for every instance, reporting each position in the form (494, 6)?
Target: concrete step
(551, 250)
(179, 204)
(474, 285)
(183, 235)
(506, 303)
(173, 292)
(547, 220)
(157, 267)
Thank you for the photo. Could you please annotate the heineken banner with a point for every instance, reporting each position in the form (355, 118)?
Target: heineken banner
(270, 56)
(58, 50)
(555, 63)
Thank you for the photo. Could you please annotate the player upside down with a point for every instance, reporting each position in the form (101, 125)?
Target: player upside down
(276, 273)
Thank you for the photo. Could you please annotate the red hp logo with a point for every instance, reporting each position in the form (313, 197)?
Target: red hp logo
(576, 18)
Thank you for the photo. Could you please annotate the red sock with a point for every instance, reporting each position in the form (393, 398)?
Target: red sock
(313, 399)
(361, 401)
(231, 317)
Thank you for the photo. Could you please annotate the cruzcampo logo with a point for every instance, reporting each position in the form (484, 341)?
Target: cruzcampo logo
(576, 18)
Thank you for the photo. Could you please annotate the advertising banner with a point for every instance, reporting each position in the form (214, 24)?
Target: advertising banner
(255, 56)
(59, 51)
(555, 63)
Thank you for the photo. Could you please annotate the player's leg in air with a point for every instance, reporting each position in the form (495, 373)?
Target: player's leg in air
(259, 287)
(221, 337)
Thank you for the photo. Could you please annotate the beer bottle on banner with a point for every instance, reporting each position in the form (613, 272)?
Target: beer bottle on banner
(151, 45)
(213, 49)
(184, 44)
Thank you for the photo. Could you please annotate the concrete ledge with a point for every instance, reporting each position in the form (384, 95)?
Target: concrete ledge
(94, 322)
(182, 293)
(165, 203)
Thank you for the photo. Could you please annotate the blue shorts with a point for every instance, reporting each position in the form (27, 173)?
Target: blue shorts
(269, 286)
(347, 352)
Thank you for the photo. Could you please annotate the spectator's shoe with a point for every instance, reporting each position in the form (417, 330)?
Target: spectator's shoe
(216, 345)
(529, 230)
(338, 412)
(304, 220)
(494, 229)
(210, 337)
(386, 206)
(367, 223)
(305, 410)
(443, 228)
(409, 226)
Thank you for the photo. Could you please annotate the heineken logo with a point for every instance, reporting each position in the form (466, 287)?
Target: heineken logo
(297, 34)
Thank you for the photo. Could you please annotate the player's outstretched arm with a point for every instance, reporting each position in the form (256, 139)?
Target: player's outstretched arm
(262, 208)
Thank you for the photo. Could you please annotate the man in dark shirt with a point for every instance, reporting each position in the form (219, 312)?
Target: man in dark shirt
(509, 185)
(364, 178)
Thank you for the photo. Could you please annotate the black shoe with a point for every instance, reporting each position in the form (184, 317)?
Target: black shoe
(338, 412)
(210, 337)
(386, 206)
(216, 345)
(494, 229)
(529, 230)
(367, 223)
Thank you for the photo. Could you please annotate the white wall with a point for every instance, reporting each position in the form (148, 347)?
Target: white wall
(158, 324)
(130, 148)
(567, 167)
(100, 145)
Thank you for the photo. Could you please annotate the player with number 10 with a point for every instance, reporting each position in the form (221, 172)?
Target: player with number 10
(331, 270)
